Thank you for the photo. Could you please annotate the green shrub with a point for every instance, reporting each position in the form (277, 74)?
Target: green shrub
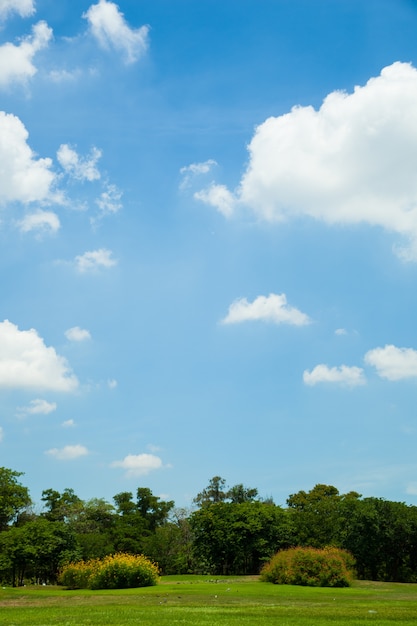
(329, 567)
(117, 571)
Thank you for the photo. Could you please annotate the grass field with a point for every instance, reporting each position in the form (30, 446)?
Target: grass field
(208, 601)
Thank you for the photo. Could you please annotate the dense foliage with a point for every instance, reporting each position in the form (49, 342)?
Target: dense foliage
(237, 538)
(117, 571)
(229, 531)
(310, 567)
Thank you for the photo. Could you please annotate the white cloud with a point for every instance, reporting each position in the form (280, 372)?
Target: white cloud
(109, 200)
(77, 167)
(350, 162)
(16, 61)
(111, 30)
(219, 197)
(90, 261)
(139, 464)
(68, 453)
(350, 376)
(1, 434)
(393, 363)
(40, 221)
(112, 383)
(23, 178)
(340, 331)
(27, 363)
(195, 169)
(77, 334)
(24, 8)
(272, 308)
(37, 407)
(68, 424)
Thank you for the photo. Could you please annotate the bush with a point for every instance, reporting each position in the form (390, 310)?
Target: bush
(117, 571)
(329, 567)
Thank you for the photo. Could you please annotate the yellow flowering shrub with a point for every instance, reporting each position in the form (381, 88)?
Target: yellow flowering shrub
(115, 571)
(313, 567)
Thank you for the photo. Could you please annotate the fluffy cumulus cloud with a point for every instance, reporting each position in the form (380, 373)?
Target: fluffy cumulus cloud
(77, 334)
(27, 363)
(393, 363)
(350, 162)
(78, 167)
(343, 375)
(111, 30)
(68, 453)
(41, 222)
(37, 407)
(139, 464)
(390, 362)
(95, 259)
(24, 8)
(16, 62)
(273, 308)
(23, 177)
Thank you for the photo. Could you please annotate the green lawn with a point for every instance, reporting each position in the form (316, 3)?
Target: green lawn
(212, 601)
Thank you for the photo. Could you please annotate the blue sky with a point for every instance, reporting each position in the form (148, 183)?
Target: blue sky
(208, 230)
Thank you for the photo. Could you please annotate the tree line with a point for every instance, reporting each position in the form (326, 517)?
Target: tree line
(227, 531)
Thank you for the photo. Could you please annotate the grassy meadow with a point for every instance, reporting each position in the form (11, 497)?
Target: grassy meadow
(200, 600)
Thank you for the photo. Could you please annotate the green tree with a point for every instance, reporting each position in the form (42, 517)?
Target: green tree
(382, 537)
(124, 503)
(93, 528)
(14, 497)
(137, 520)
(171, 545)
(239, 493)
(91, 522)
(129, 527)
(215, 492)
(153, 510)
(61, 507)
(318, 516)
(237, 538)
(35, 551)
